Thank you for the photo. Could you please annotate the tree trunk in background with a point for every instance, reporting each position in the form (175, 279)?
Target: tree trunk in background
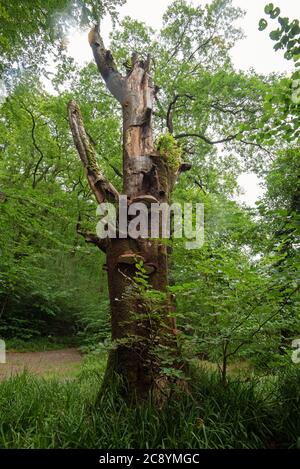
(146, 178)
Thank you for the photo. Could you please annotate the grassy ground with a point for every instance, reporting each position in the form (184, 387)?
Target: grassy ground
(52, 412)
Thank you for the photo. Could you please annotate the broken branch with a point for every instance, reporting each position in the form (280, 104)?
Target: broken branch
(92, 238)
(102, 188)
(106, 65)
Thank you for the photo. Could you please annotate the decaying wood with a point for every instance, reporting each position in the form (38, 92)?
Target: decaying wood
(147, 178)
(102, 188)
(106, 66)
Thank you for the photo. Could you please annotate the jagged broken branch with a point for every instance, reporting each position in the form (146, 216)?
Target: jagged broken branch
(103, 189)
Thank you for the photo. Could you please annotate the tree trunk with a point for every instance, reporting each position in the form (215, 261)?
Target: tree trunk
(137, 333)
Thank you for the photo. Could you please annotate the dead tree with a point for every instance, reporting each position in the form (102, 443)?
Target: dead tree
(147, 177)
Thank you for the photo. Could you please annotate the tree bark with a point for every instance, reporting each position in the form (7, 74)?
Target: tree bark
(138, 335)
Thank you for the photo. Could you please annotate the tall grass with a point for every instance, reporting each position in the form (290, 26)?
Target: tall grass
(41, 413)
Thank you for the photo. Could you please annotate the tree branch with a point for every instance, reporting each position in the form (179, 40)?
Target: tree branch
(34, 183)
(206, 139)
(102, 188)
(170, 110)
(258, 146)
(223, 140)
(200, 185)
(260, 326)
(106, 65)
(92, 238)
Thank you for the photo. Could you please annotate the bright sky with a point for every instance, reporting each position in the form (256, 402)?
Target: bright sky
(255, 51)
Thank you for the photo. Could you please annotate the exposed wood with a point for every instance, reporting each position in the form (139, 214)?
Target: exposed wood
(103, 189)
(106, 66)
(130, 258)
(147, 199)
(147, 178)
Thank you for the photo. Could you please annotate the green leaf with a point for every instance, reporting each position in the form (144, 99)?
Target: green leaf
(262, 24)
(284, 22)
(275, 35)
(295, 31)
(269, 8)
(278, 46)
(275, 13)
(288, 55)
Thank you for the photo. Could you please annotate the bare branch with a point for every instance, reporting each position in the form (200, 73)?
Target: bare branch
(170, 110)
(36, 146)
(200, 185)
(116, 170)
(258, 146)
(106, 65)
(206, 139)
(260, 326)
(178, 43)
(200, 46)
(92, 238)
(223, 140)
(102, 188)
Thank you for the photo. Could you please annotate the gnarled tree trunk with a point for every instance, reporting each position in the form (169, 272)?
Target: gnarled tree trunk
(146, 178)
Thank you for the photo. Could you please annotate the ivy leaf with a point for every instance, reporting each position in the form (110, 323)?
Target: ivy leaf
(295, 30)
(262, 24)
(288, 55)
(275, 13)
(269, 8)
(275, 35)
(284, 23)
(278, 46)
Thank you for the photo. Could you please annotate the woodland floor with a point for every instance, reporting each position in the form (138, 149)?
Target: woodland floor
(65, 362)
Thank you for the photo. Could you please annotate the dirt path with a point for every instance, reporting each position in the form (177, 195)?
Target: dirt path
(55, 362)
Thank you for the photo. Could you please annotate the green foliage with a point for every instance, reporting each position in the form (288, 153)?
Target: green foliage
(281, 107)
(40, 344)
(48, 279)
(287, 36)
(30, 30)
(169, 150)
